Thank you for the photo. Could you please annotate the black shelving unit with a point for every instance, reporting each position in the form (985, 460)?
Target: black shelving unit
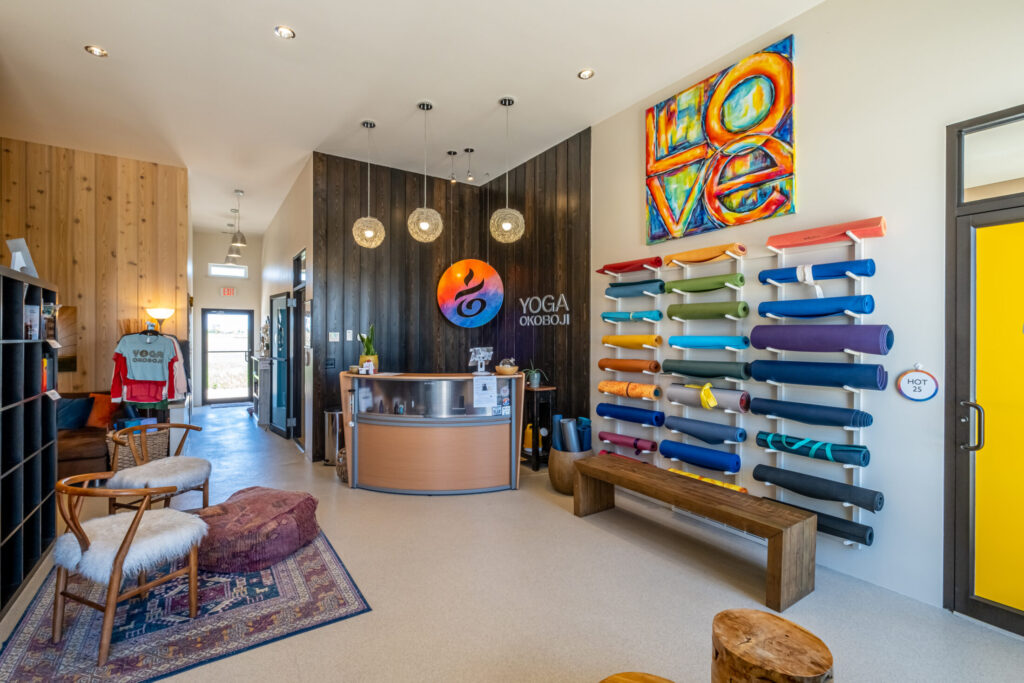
(28, 429)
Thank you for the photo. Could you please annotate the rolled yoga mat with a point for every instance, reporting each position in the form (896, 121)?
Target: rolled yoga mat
(707, 368)
(624, 290)
(705, 284)
(876, 339)
(699, 456)
(637, 444)
(556, 432)
(629, 389)
(856, 375)
(708, 432)
(814, 308)
(630, 266)
(624, 316)
(694, 341)
(868, 227)
(726, 399)
(583, 429)
(629, 365)
(705, 255)
(822, 450)
(864, 267)
(811, 413)
(654, 418)
(822, 489)
(631, 341)
(708, 311)
(709, 480)
(839, 527)
(570, 438)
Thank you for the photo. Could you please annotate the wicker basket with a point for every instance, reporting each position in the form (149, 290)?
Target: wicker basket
(158, 445)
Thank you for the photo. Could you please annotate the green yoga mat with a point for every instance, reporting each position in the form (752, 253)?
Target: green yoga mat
(709, 311)
(706, 369)
(705, 284)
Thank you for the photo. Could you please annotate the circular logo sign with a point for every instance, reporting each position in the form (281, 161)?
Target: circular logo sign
(470, 293)
(917, 385)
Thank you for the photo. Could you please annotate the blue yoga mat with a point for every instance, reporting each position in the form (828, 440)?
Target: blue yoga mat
(630, 414)
(570, 437)
(699, 456)
(820, 271)
(622, 290)
(811, 413)
(816, 308)
(694, 341)
(708, 432)
(556, 432)
(625, 316)
(856, 375)
(583, 429)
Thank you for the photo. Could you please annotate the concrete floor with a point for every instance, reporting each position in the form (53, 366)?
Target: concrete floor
(512, 587)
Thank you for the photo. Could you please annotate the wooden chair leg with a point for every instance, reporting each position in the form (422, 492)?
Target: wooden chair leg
(109, 611)
(58, 604)
(142, 580)
(111, 509)
(193, 581)
(206, 493)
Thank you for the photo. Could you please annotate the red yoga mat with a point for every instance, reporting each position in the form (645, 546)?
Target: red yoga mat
(628, 441)
(630, 266)
(869, 227)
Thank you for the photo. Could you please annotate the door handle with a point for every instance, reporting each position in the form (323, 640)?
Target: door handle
(981, 427)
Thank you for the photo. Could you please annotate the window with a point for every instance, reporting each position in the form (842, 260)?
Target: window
(228, 270)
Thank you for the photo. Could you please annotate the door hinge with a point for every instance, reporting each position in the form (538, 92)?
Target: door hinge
(292, 303)
(290, 422)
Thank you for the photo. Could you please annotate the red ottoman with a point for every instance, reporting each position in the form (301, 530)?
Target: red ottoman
(255, 528)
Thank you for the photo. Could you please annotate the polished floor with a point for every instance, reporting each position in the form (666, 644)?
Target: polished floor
(512, 587)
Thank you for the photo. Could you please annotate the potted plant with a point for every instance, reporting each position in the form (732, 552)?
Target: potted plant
(369, 352)
(533, 375)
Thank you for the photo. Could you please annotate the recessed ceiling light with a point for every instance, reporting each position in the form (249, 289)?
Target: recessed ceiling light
(96, 50)
(585, 75)
(286, 32)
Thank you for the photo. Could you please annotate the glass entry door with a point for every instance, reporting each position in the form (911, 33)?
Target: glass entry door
(227, 347)
(280, 354)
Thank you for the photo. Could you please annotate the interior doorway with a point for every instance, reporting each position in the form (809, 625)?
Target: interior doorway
(227, 348)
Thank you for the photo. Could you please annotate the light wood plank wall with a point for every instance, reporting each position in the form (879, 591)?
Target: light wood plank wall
(111, 233)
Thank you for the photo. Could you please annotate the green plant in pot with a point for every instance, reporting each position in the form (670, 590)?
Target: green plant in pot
(534, 375)
(369, 351)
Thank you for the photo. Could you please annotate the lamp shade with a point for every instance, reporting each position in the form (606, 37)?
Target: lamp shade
(368, 232)
(507, 225)
(238, 239)
(233, 253)
(160, 313)
(425, 225)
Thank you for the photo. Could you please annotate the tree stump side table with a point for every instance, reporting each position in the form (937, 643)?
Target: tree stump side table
(751, 645)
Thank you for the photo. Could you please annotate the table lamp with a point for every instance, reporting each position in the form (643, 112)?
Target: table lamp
(160, 315)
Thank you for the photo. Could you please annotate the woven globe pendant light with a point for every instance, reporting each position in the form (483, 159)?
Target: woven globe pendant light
(425, 224)
(368, 231)
(507, 225)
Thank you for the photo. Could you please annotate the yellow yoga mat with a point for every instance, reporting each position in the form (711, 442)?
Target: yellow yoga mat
(706, 255)
(629, 389)
(631, 341)
(716, 482)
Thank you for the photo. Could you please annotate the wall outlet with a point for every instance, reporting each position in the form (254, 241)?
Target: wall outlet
(348, 335)
(334, 336)
(329, 363)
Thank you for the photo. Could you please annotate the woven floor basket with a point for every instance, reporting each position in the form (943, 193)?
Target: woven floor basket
(157, 445)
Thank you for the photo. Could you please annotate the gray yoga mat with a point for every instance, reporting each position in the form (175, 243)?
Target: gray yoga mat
(728, 399)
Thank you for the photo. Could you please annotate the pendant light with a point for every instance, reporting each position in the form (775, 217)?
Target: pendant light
(425, 225)
(238, 239)
(234, 253)
(507, 225)
(469, 164)
(368, 231)
(451, 157)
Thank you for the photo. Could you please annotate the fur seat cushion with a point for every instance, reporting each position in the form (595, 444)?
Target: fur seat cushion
(180, 471)
(163, 535)
(255, 528)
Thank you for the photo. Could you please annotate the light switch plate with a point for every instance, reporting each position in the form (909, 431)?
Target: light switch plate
(348, 335)
(334, 336)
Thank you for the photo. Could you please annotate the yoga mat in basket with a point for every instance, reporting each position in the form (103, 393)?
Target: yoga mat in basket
(694, 341)
(707, 368)
(654, 418)
(708, 432)
(822, 450)
(708, 311)
(706, 254)
(570, 437)
(822, 489)
(875, 339)
(840, 528)
(629, 365)
(811, 413)
(699, 456)
(637, 444)
(821, 271)
(630, 266)
(624, 290)
(631, 341)
(556, 432)
(856, 375)
(705, 284)
(629, 389)
(624, 316)
(814, 308)
(727, 399)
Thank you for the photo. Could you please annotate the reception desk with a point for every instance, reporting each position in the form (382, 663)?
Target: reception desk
(432, 434)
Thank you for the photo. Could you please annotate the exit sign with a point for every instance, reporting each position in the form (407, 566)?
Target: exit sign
(227, 291)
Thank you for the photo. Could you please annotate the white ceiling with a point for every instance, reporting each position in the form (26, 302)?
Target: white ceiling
(205, 84)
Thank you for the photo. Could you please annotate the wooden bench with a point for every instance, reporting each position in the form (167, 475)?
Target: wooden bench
(791, 533)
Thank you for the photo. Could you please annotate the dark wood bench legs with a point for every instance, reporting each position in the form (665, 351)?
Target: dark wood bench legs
(790, 571)
(591, 495)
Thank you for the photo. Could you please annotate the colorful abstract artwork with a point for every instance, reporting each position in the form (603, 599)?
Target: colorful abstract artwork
(720, 153)
(470, 293)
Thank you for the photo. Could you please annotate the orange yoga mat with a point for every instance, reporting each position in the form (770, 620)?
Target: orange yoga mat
(869, 227)
(631, 341)
(716, 482)
(629, 365)
(629, 389)
(706, 255)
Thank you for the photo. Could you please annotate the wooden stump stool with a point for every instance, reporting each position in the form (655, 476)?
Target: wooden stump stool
(751, 645)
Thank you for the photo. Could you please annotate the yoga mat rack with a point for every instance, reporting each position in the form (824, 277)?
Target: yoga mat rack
(633, 320)
(679, 264)
(643, 398)
(613, 443)
(846, 466)
(646, 372)
(725, 348)
(619, 275)
(646, 346)
(855, 242)
(770, 281)
(852, 390)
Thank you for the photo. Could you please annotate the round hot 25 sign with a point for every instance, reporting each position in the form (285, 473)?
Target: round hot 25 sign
(470, 293)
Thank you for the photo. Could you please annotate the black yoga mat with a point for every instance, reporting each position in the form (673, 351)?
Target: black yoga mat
(811, 413)
(821, 450)
(707, 368)
(708, 432)
(822, 489)
(841, 528)
(856, 375)
(876, 339)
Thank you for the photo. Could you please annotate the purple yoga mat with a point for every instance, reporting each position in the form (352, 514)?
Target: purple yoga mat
(876, 339)
(636, 444)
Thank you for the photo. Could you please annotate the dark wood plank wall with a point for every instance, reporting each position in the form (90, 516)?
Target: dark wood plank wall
(394, 285)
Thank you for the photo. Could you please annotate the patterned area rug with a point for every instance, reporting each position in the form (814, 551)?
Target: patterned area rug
(154, 638)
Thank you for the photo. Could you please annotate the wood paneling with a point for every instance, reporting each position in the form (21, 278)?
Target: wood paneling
(111, 233)
(394, 285)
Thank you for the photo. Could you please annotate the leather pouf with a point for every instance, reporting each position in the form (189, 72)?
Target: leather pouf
(255, 528)
(561, 469)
